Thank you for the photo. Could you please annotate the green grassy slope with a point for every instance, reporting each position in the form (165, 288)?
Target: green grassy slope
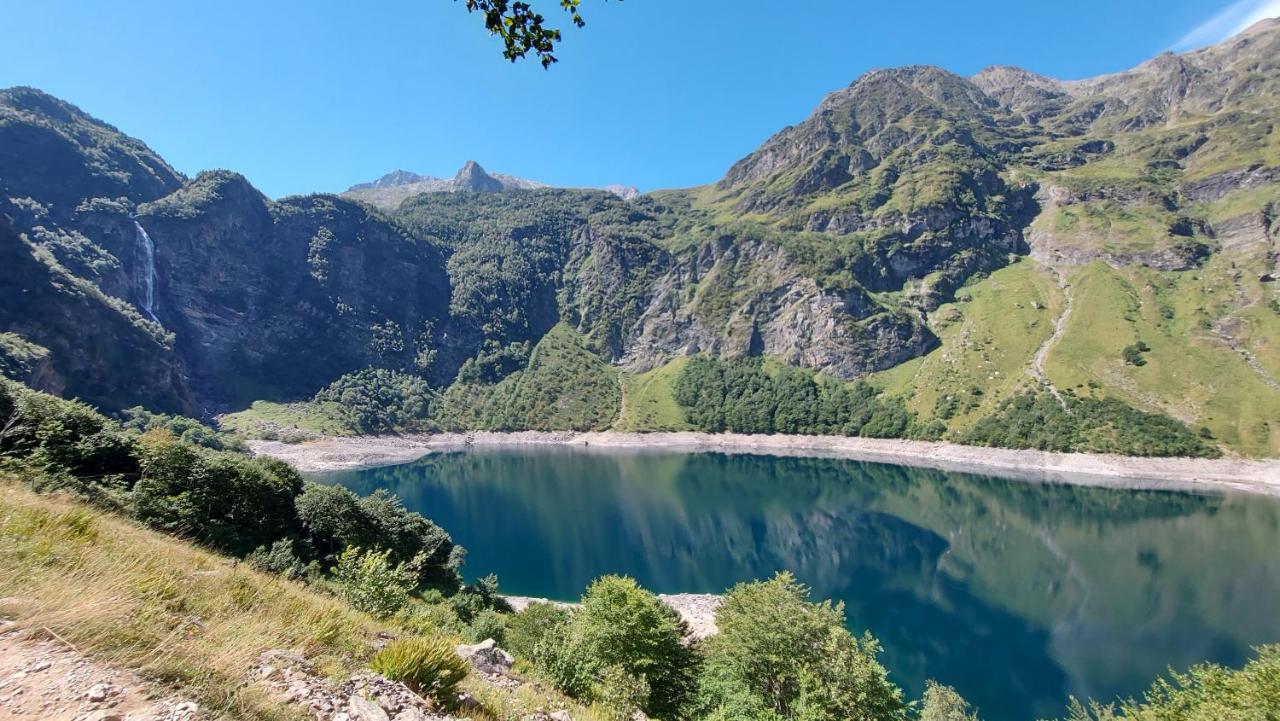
(989, 336)
(648, 403)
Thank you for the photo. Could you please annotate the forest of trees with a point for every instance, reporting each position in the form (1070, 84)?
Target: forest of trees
(746, 396)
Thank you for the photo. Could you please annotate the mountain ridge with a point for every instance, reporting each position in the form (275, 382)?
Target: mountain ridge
(395, 187)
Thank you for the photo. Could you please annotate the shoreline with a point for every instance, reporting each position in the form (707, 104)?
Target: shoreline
(339, 453)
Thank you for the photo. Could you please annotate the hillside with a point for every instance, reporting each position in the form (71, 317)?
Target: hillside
(1097, 257)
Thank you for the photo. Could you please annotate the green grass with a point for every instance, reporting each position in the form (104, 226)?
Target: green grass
(1109, 226)
(1189, 373)
(648, 403)
(1238, 203)
(282, 421)
(989, 338)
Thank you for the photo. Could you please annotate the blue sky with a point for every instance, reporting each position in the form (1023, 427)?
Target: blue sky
(314, 95)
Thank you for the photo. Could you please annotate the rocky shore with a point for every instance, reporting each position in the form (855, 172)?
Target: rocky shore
(1253, 476)
(697, 610)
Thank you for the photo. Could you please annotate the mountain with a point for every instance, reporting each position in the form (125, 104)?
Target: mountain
(1005, 259)
(393, 188)
(391, 180)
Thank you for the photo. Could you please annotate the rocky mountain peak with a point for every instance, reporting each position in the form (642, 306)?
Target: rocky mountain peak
(473, 177)
(391, 180)
(626, 192)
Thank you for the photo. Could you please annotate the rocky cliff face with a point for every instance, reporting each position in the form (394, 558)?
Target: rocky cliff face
(283, 297)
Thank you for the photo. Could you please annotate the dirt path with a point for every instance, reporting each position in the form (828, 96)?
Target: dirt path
(1036, 370)
(46, 680)
(1224, 329)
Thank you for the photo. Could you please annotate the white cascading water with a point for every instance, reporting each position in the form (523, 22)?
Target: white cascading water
(146, 270)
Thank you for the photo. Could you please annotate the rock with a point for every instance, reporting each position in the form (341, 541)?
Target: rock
(411, 714)
(98, 692)
(362, 709)
(486, 656)
(39, 666)
(560, 715)
(104, 715)
(284, 658)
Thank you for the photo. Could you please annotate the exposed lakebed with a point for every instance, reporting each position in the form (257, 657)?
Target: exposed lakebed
(1019, 594)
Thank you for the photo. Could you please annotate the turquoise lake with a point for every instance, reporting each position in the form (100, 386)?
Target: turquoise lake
(1018, 594)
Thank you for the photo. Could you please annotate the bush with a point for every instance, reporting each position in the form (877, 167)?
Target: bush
(488, 624)
(942, 703)
(229, 501)
(334, 518)
(527, 630)
(188, 430)
(428, 665)
(279, 559)
(620, 695)
(1208, 692)
(1132, 355)
(371, 582)
(623, 625)
(64, 438)
(778, 656)
(436, 619)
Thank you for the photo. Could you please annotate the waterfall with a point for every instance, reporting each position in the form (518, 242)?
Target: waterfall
(146, 272)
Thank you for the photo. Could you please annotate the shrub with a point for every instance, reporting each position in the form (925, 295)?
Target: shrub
(488, 624)
(621, 624)
(432, 619)
(63, 437)
(428, 665)
(778, 656)
(478, 597)
(620, 695)
(334, 518)
(942, 703)
(227, 500)
(527, 630)
(1206, 692)
(279, 559)
(371, 582)
(1038, 419)
(744, 397)
(185, 429)
(1132, 355)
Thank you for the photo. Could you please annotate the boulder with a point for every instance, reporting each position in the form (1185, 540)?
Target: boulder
(486, 656)
(360, 708)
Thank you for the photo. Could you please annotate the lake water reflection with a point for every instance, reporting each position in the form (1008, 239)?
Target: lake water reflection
(1019, 594)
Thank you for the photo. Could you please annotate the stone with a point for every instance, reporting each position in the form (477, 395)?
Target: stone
(98, 692)
(561, 715)
(104, 715)
(362, 709)
(486, 656)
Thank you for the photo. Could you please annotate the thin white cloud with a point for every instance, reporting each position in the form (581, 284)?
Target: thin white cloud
(1232, 19)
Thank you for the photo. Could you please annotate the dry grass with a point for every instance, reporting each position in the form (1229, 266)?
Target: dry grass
(184, 618)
